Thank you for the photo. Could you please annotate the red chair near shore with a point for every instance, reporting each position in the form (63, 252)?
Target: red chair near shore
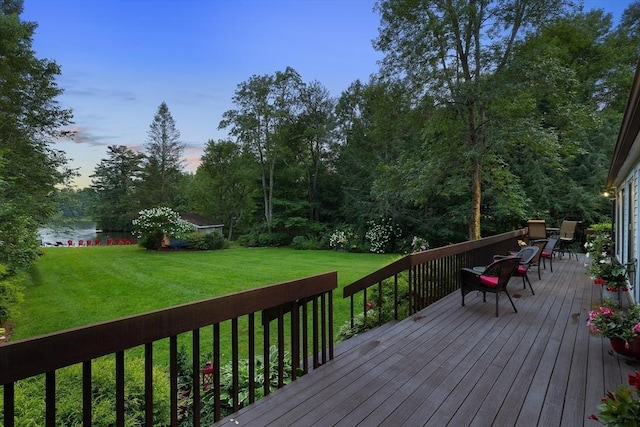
(80, 242)
(69, 242)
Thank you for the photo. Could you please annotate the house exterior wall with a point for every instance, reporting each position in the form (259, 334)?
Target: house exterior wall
(627, 225)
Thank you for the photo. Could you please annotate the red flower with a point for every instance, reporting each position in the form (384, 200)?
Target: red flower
(599, 281)
(369, 305)
(634, 380)
(593, 417)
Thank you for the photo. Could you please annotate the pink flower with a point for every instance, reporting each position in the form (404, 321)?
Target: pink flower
(634, 380)
(636, 328)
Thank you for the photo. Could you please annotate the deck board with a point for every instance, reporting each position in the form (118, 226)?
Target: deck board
(454, 365)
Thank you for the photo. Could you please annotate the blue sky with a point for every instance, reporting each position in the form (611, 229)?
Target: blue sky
(121, 58)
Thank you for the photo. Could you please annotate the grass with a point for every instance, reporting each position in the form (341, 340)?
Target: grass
(71, 287)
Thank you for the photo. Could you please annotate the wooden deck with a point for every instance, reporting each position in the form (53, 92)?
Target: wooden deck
(450, 365)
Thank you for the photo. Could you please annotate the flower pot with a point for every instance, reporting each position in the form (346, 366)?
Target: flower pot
(607, 293)
(620, 347)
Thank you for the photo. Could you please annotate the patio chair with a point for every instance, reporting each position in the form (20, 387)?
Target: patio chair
(527, 255)
(540, 244)
(547, 252)
(567, 237)
(537, 229)
(493, 279)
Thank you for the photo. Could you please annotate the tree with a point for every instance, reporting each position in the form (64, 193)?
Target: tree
(163, 162)
(225, 183)
(153, 225)
(317, 124)
(114, 181)
(266, 108)
(455, 50)
(30, 120)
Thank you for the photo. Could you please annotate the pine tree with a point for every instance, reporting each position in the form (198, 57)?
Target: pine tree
(163, 162)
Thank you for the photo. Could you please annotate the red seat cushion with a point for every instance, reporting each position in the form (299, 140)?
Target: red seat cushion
(489, 281)
(546, 254)
(522, 269)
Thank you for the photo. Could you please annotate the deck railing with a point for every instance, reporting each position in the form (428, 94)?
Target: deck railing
(300, 314)
(429, 276)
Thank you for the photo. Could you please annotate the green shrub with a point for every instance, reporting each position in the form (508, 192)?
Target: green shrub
(272, 240)
(362, 323)
(152, 225)
(306, 243)
(30, 404)
(205, 242)
(11, 295)
(226, 387)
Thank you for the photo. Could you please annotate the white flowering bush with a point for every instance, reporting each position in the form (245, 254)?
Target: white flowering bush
(343, 240)
(381, 235)
(152, 225)
(419, 244)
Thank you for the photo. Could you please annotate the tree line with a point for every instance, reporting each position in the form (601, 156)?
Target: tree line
(483, 114)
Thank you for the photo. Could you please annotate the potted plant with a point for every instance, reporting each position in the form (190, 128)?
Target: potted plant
(621, 408)
(622, 327)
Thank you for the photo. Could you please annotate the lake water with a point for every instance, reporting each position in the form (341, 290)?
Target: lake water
(80, 230)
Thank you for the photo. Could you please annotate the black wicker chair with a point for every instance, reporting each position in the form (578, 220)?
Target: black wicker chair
(493, 279)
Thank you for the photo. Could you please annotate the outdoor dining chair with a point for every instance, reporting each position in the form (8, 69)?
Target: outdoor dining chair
(527, 255)
(493, 279)
(567, 237)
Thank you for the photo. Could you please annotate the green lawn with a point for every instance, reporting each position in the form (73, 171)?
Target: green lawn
(71, 287)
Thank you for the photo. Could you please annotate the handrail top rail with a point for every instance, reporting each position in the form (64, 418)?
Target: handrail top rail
(410, 260)
(36, 355)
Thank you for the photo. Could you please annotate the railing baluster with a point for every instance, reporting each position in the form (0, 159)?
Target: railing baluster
(295, 339)
(330, 294)
(9, 402)
(195, 376)
(235, 362)
(173, 378)
(86, 393)
(280, 347)
(305, 335)
(120, 389)
(148, 383)
(252, 357)
(217, 409)
(314, 332)
(266, 339)
(50, 398)
(323, 327)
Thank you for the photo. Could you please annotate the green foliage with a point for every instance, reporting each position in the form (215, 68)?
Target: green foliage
(11, 295)
(227, 386)
(162, 164)
(224, 186)
(114, 184)
(361, 323)
(30, 402)
(152, 225)
(622, 407)
(205, 242)
(345, 240)
(611, 323)
(382, 235)
(264, 240)
(379, 310)
(306, 243)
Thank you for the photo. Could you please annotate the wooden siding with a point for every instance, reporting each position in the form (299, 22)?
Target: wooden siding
(454, 365)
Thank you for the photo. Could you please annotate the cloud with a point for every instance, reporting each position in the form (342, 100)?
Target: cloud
(81, 135)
